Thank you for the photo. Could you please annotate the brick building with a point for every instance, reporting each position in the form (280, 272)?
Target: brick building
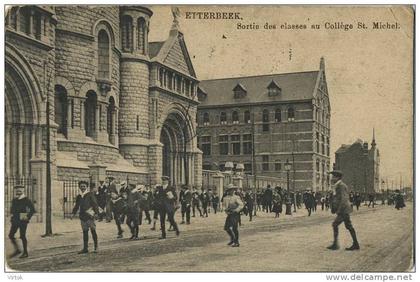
(360, 165)
(263, 121)
(120, 105)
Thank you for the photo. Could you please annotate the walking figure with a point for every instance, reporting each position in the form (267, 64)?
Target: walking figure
(21, 210)
(87, 206)
(341, 207)
(233, 206)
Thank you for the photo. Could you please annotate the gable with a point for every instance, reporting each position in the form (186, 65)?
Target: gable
(176, 58)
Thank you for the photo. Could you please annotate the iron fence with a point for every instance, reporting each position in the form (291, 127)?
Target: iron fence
(70, 192)
(30, 185)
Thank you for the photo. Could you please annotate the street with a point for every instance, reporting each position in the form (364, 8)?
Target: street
(294, 243)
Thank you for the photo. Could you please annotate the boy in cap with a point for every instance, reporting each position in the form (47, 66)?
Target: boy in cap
(233, 206)
(185, 198)
(343, 210)
(87, 206)
(22, 210)
(166, 199)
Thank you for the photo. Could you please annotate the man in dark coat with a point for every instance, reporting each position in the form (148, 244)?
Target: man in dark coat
(119, 209)
(111, 188)
(399, 200)
(196, 203)
(308, 201)
(166, 199)
(133, 211)
(87, 206)
(215, 202)
(341, 206)
(249, 203)
(268, 199)
(21, 210)
(205, 200)
(185, 197)
(371, 198)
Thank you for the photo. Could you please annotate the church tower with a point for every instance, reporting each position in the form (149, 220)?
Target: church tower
(134, 81)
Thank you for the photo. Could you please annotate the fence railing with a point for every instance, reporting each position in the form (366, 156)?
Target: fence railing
(248, 181)
(70, 192)
(31, 191)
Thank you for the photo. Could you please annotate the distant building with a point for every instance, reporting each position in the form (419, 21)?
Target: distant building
(263, 121)
(360, 165)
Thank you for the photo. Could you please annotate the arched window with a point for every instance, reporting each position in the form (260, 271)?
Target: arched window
(60, 109)
(247, 117)
(90, 113)
(266, 120)
(290, 114)
(103, 55)
(235, 117)
(277, 115)
(141, 35)
(127, 34)
(24, 20)
(206, 119)
(110, 124)
(223, 119)
(161, 77)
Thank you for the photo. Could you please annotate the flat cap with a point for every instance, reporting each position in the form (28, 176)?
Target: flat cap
(165, 178)
(18, 187)
(337, 173)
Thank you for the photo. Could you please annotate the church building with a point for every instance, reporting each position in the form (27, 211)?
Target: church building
(119, 105)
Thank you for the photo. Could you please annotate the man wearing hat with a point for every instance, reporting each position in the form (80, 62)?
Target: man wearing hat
(342, 209)
(185, 197)
(166, 201)
(233, 206)
(21, 210)
(87, 206)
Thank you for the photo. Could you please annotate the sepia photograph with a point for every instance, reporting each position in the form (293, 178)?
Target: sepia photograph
(209, 138)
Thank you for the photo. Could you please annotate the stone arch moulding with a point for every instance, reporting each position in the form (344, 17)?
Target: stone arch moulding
(181, 110)
(88, 85)
(18, 62)
(115, 96)
(59, 80)
(105, 25)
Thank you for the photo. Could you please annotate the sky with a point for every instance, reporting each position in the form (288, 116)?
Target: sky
(369, 72)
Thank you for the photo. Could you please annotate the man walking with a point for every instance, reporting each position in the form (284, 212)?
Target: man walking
(87, 206)
(22, 210)
(185, 197)
(166, 198)
(341, 206)
(233, 206)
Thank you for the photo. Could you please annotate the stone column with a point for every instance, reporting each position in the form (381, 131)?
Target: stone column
(33, 141)
(97, 173)
(82, 114)
(20, 149)
(218, 182)
(69, 116)
(7, 149)
(237, 180)
(31, 23)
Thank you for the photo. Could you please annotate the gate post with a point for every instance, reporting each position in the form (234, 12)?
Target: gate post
(39, 172)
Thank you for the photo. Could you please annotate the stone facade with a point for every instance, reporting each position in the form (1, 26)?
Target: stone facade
(360, 166)
(265, 121)
(116, 100)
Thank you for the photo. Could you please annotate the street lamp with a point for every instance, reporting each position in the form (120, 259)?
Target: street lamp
(288, 167)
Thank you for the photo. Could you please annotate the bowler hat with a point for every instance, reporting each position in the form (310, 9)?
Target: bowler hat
(337, 173)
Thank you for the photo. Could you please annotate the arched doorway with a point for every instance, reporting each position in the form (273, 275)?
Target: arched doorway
(177, 160)
(22, 134)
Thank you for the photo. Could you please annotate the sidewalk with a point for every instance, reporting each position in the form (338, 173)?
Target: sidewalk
(68, 233)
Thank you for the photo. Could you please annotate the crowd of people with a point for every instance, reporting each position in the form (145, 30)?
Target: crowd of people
(130, 204)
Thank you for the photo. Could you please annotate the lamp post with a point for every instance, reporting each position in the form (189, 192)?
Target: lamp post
(288, 166)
